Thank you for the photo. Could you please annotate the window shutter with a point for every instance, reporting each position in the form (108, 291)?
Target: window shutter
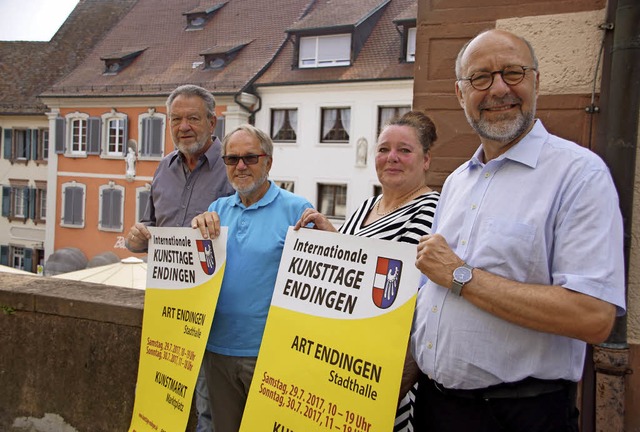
(28, 259)
(32, 203)
(143, 202)
(27, 143)
(4, 255)
(6, 201)
(156, 136)
(93, 135)
(116, 204)
(60, 134)
(34, 144)
(219, 132)
(78, 199)
(105, 216)
(144, 140)
(8, 150)
(68, 205)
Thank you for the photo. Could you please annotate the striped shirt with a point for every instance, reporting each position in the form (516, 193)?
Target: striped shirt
(405, 224)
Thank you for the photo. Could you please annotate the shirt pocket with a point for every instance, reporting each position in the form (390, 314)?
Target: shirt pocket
(506, 247)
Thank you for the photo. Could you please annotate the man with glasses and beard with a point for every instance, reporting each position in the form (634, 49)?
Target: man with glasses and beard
(524, 265)
(258, 217)
(184, 184)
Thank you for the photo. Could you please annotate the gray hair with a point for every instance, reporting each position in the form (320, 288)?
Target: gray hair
(194, 90)
(265, 141)
(466, 45)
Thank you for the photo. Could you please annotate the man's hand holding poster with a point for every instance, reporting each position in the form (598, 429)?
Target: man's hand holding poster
(334, 346)
(184, 274)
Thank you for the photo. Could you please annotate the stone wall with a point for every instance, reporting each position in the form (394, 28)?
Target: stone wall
(69, 357)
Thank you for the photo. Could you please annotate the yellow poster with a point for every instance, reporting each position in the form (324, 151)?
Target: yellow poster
(184, 274)
(334, 345)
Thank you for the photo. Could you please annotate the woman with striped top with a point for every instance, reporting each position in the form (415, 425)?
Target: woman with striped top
(405, 209)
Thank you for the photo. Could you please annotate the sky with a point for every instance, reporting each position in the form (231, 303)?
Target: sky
(33, 20)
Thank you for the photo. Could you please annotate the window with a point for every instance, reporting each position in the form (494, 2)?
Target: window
(152, 132)
(40, 200)
(82, 135)
(15, 200)
(219, 132)
(286, 185)
(73, 205)
(411, 44)
(284, 123)
(335, 124)
(114, 134)
(332, 200)
(17, 257)
(41, 147)
(325, 51)
(20, 145)
(386, 114)
(111, 207)
(142, 200)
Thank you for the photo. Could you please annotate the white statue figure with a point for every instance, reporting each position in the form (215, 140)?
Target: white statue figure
(361, 152)
(130, 159)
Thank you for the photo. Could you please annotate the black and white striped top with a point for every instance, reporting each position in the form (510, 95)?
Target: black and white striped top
(405, 224)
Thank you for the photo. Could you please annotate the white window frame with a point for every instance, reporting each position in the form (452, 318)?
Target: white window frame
(20, 203)
(315, 51)
(107, 118)
(411, 44)
(141, 118)
(17, 253)
(139, 191)
(42, 197)
(102, 189)
(397, 111)
(345, 119)
(83, 143)
(64, 199)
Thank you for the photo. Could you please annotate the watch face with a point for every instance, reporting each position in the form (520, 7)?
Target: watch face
(462, 275)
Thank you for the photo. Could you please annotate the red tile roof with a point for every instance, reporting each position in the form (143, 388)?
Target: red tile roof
(378, 59)
(29, 68)
(172, 52)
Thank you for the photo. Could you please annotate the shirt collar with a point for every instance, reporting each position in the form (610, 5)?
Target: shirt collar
(526, 152)
(212, 155)
(267, 199)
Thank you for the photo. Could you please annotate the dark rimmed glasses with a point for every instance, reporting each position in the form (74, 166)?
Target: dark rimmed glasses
(250, 159)
(511, 75)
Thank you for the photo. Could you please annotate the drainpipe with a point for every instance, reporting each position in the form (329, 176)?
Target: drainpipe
(616, 143)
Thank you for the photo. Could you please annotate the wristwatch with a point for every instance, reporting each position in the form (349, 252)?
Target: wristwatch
(461, 276)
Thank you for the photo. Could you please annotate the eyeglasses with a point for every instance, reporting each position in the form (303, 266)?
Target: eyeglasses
(250, 159)
(511, 75)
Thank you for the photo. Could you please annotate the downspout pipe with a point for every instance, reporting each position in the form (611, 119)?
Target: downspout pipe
(617, 144)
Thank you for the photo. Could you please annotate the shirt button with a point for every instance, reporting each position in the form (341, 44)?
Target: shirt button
(464, 242)
(429, 345)
(487, 175)
(473, 207)
(434, 309)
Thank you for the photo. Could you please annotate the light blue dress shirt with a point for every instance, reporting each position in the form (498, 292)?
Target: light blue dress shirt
(545, 212)
(254, 247)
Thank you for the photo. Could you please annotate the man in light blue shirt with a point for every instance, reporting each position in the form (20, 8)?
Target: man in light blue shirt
(525, 264)
(258, 217)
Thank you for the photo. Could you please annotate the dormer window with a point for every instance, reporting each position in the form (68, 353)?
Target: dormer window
(328, 37)
(325, 51)
(197, 18)
(406, 25)
(115, 62)
(411, 45)
(219, 56)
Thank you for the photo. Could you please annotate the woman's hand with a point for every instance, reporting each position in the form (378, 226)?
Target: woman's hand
(319, 221)
(208, 223)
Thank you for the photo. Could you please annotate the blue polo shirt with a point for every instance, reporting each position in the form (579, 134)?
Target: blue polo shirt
(254, 247)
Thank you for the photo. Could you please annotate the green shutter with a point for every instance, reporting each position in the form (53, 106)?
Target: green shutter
(8, 150)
